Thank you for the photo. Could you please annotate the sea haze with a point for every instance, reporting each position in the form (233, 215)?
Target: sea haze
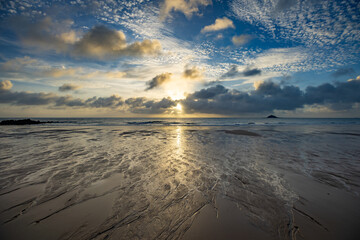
(180, 178)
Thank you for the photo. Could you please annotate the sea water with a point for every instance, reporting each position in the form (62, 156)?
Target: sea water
(196, 121)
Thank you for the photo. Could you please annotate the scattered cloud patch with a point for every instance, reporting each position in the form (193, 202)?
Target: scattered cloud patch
(220, 24)
(251, 72)
(281, 59)
(232, 72)
(329, 28)
(69, 87)
(241, 39)
(158, 80)
(193, 73)
(187, 7)
(5, 85)
(247, 72)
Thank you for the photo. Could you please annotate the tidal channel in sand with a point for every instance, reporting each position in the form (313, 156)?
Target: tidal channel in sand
(179, 182)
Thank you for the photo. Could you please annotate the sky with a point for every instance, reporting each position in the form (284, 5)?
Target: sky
(180, 58)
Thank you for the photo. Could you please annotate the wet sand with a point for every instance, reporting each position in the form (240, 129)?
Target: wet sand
(179, 183)
(242, 132)
(225, 220)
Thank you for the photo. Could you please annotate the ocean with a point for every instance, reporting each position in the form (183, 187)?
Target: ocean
(196, 121)
(198, 178)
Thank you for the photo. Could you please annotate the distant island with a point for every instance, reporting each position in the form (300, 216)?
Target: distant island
(22, 122)
(272, 116)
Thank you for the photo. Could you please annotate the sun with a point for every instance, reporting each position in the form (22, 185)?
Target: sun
(178, 107)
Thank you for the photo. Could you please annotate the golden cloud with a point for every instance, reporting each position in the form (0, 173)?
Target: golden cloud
(188, 8)
(220, 24)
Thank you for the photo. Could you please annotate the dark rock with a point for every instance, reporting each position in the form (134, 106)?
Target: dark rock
(272, 116)
(22, 122)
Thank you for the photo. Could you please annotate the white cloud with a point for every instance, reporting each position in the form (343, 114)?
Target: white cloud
(279, 57)
(329, 28)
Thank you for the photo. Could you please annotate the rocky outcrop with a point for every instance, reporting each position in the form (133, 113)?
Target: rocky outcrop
(22, 122)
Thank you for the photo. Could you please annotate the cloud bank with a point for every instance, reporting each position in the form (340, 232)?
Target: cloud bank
(266, 98)
(114, 102)
(270, 96)
(99, 42)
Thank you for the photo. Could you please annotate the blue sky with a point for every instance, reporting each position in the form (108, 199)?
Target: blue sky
(179, 58)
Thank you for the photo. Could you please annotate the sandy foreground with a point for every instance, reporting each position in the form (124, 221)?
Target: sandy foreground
(180, 182)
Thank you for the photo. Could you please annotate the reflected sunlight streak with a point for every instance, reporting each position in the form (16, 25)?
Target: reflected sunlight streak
(178, 137)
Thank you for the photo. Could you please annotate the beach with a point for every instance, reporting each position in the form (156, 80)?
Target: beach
(180, 181)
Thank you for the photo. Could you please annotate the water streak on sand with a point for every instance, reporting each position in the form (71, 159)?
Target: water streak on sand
(128, 182)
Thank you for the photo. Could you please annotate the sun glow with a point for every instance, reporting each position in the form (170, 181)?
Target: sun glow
(175, 95)
(178, 107)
